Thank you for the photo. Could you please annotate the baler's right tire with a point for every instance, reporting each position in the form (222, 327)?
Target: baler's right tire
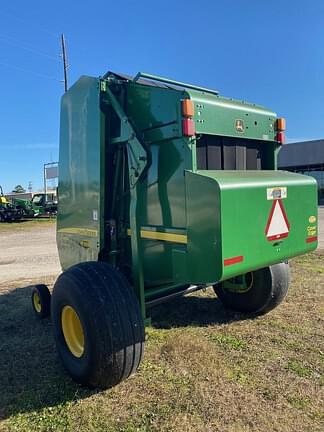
(264, 289)
(98, 326)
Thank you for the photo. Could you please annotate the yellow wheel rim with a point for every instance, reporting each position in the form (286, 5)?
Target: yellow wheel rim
(72, 331)
(240, 284)
(37, 302)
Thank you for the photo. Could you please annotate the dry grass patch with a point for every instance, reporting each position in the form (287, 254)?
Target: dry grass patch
(205, 369)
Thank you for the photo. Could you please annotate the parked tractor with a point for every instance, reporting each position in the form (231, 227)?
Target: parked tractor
(42, 206)
(38, 206)
(24, 205)
(165, 188)
(8, 212)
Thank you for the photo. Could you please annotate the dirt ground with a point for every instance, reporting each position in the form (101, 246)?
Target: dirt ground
(28, 250)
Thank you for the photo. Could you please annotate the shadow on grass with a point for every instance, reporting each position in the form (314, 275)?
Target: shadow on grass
(31, 374)
(193, 310)
(29, 219)
(12, 222)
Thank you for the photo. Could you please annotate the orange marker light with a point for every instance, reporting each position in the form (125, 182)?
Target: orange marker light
(281, 124)
(187, 107)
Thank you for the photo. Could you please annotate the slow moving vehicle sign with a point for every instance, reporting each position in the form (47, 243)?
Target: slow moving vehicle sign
(277, 226)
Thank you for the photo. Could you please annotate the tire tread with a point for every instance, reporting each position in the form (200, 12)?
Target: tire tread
(117, 314)
(267, 293)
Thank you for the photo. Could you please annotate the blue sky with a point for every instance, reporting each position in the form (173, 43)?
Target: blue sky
(270, 53)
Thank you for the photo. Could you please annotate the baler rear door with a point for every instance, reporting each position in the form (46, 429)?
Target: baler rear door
(81, 173)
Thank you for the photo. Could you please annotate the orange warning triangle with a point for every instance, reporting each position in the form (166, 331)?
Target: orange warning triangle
(277, 226)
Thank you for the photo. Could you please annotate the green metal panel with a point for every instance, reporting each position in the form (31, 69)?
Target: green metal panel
(152, 109)
(219, 116)
(157, 112)
(227, 215)
(163, 205)
(80, 216)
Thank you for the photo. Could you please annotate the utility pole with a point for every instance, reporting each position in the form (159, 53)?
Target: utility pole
(65, 63)
(45, 183)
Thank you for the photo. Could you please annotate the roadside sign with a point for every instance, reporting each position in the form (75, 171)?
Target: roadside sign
(51, 172)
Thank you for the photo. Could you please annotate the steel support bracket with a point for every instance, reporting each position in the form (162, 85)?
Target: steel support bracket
(138, 162)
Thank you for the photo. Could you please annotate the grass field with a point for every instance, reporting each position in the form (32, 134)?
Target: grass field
(205, 369)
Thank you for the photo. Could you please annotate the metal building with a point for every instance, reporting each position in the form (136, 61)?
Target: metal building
(305, 157)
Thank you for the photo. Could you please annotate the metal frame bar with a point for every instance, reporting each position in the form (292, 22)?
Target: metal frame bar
(138, 161)
(168, 297)
(174, 82)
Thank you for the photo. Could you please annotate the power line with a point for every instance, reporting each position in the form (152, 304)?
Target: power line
(14, 15)
(7, 40)
(28, 71)
(17, 43)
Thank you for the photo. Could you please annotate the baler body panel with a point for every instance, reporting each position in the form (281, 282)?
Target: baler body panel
(81, 177)
(228, 213)
(163, 204)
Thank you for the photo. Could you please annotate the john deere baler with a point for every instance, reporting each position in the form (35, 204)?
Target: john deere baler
(166, 188)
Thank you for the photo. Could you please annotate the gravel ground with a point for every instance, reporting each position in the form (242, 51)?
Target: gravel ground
(32, 253)
(28, 253)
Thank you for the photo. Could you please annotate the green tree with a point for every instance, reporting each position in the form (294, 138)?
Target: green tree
(19, 189)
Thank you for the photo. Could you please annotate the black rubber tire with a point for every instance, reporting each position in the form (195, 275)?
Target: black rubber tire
(269, 288)
(111, 319)
(44, 297)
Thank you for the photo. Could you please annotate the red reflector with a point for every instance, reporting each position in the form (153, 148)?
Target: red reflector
(280, 137)
(278, 236)
(311, 239)
(188, 127)
(234, 260)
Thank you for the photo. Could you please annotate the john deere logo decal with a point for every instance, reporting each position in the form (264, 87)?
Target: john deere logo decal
(239, 125)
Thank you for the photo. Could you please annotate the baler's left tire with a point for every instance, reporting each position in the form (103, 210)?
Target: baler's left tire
(41, 301)
(262, 290)
(98, 326)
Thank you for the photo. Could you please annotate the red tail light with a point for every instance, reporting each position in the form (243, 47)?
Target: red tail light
(188, 127)
(280, 137)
